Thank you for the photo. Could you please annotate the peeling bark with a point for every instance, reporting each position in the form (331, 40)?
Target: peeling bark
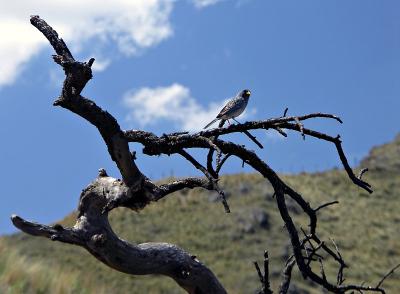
(93, 232)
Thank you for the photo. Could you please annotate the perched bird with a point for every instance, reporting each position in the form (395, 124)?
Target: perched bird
(233, 108)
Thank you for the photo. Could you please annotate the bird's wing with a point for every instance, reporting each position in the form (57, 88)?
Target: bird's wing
(228, 107)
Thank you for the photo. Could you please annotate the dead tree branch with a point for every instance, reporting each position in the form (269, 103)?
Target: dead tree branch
(93, 231)
(264, 278)
(286, 276)
(387, 275)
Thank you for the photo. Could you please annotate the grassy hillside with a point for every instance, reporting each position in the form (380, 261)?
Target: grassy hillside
(366, 228)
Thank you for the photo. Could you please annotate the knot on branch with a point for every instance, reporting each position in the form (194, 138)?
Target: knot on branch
(58, 227)
(78, 74)
(99, 240)
(184, 272)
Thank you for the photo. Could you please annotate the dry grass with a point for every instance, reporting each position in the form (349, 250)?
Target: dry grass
(364, 226)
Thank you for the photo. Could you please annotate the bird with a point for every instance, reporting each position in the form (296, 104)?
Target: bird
(233, 108)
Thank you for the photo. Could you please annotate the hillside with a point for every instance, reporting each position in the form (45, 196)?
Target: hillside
(365, 227)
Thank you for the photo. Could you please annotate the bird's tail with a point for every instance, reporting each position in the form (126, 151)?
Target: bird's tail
(211, 123)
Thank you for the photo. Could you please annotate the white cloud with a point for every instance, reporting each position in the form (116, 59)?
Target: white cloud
(132, 24)
(173, 103)
(204, 3)
(16, 47)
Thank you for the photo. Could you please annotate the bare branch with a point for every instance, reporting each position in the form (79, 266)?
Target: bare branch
(387, 275)
(362, 172)
(286, 276)
(280, 131)
(253, 138)
(280, 189)
(285, 112)
(51, 35)
(211, 179)
(55, 233)
(264, 124)
(322, 269)
(188, 183)
(267, 286)
(93, 232)
(77, 75)
(264, 278)
(338, 144)
(210, 166)
(336, 256)
(339, 277)
(325, 205)
(260, 275)
(218, 169)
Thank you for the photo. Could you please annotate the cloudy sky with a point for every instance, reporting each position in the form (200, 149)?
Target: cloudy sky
(166, 66)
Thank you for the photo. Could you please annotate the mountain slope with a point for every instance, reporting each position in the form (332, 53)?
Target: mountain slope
(364, 226)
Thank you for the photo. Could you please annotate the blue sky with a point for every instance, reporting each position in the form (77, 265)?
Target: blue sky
(185, 58)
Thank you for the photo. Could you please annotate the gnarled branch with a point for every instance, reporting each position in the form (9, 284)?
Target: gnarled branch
(93, 232)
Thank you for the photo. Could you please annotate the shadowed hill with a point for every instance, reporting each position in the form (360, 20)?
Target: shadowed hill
(384, 158)
(365, 227)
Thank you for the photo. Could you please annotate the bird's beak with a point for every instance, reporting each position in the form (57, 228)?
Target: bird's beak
(248, 93)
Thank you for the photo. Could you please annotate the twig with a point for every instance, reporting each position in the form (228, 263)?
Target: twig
(387, 275)
(314, 253)
(223, 200)
(322, 269)
(218, 168)
(264, 279)
(325, 205)
(267, 285)
(339, 278)
(210, 167)
(338, 144)
(280, 131)
(286, 276)
(212, 180)
(212, 146)
(253, 138)
(260, 275)
(362, 172)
